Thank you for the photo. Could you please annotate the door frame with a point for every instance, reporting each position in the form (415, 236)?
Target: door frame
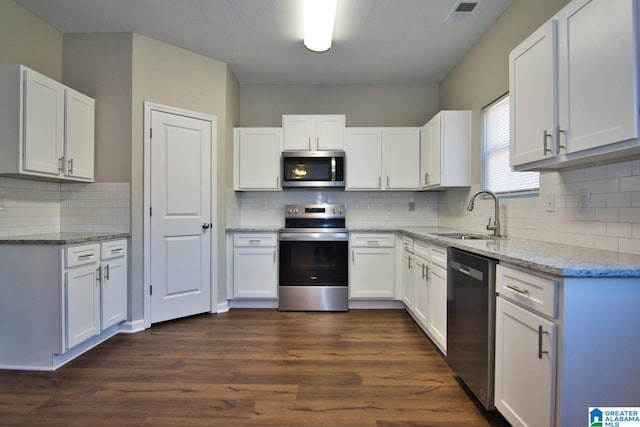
(149, 107)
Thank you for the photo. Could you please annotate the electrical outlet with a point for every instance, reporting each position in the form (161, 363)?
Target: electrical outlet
(584, 198)
(550, 202)
(412, 206)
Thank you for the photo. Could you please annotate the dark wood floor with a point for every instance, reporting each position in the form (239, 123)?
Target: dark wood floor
(251, 367)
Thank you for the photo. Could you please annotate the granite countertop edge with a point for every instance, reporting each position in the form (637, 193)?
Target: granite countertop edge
(67, 238)
(550, 258)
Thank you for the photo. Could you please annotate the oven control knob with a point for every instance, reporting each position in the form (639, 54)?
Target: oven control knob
(340, 211)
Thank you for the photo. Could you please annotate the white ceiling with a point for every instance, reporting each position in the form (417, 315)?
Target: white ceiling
(375, 41)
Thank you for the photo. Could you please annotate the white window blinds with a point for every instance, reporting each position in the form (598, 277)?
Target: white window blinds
(498, 176)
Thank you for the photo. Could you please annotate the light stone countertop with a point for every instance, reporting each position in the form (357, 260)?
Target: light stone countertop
(551, 258)
(61, 238)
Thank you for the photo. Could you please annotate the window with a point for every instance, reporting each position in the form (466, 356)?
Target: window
(497, 175)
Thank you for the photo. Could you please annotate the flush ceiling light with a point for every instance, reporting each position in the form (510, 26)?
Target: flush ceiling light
(319, 16)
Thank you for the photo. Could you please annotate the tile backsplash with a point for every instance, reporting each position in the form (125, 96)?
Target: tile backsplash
(609, 220)
(35, 207)
(596, 207)
(249, 209)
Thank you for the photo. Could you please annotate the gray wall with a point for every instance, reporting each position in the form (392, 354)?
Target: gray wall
(483, 74)
(26, 39)
(364, 105)
(100, 65)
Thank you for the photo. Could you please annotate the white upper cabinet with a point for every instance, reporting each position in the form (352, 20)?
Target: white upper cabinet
(323, 132)
(574, 88)
(46, 129)
(79, 119)
(597, 74)
(445, 143)
(382, 158)
(401, 148)
(257, 158)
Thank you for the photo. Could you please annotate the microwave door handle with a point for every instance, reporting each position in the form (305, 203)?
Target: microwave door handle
(333, 168)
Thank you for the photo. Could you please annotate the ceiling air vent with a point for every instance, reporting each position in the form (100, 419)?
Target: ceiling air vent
(461, 10)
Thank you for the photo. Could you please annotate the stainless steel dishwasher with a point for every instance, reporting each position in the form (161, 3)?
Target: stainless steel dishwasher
(471, 321)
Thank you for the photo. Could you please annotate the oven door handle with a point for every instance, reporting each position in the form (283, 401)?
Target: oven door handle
(313, 237)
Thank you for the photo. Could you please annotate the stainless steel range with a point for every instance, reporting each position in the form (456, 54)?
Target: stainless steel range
(314, 272)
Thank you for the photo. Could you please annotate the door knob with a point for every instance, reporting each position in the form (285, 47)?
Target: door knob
(206, 225)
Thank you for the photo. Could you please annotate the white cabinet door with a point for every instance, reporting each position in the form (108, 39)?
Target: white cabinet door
(82, 303)
(408, 292)
(532, 92)
(437, 298)
(329, 132)
(313, 132)
(525, 366)
(114, 291)
(257, 158)
(597, 78)
(445, 158)
(420, 283)
(372, 273)
(79, 119)
(255, 272)
(298, 132)
(363, 158)
(401, 158)
(430, 154)
(43, 122)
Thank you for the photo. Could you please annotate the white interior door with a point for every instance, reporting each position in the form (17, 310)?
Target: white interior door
(180, 209)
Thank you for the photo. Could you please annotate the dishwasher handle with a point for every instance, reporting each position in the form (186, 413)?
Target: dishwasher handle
(466, 270)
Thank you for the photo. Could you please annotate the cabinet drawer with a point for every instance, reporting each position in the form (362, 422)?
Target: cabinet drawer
(113, 249)
(439, 256)
(82, 254)
(421, 248)
(407, 243)
(536, 292)
(255, 239)
(372, 239)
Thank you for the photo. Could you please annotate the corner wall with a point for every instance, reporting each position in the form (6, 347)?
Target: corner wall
(612, 222)
(28, 40)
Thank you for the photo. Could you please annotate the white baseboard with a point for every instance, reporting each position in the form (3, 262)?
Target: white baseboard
(369, 304)
(223, 307)
(132, 327)
(253, 303)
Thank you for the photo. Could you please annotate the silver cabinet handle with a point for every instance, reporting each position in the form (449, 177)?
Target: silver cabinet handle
(518, 290)
(558, 132)
(426, 178)
(106, 272)
(70, 166)
(541, 332)
(409, 263)
(274, 255)
(60, 164)
(379, 181)
(254, 241)
(373, 242)
(98, 275)
(545, 149)
(387, 180)
(117, 250)
(85, 256)
(353, 255)
(309, 143)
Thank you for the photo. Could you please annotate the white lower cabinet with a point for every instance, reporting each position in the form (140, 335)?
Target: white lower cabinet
(525, 362)
(372, 265)
(82, 294)
(113, 278)
(437, 298)
(255, 265)
(58, 301)
(424, 288)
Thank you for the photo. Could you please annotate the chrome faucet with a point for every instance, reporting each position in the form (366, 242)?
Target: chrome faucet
(496, 222)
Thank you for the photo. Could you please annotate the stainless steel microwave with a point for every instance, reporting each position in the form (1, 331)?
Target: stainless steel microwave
(312, 169)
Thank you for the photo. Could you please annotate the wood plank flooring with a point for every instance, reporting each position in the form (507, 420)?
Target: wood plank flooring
(252, 368)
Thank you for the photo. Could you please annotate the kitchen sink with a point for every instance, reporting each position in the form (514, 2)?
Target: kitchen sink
(466, 236)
